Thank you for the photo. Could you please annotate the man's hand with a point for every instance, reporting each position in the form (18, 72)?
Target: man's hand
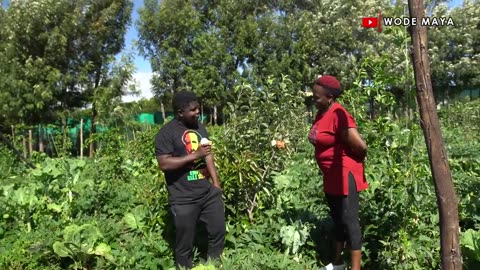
(202, 151)
(217, 185)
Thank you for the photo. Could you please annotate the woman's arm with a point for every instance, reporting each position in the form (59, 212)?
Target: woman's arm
(352, 139)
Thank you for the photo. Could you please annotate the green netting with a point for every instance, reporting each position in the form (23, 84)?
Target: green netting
(70, 121)
(204, 118)
(471, 93)
(73, 133)
(146, 118)
(159, 117)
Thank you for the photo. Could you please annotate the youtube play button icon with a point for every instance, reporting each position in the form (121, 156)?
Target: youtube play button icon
(370, 22)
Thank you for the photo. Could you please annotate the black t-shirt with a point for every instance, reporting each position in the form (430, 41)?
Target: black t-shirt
(190, 183)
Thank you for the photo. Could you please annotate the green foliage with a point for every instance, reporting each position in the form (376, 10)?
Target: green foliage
(453, 51)
(80, 244)
(244, 167)
(58, 215)
(8, 162)
(58, 55)
(255, 60)
(470, 240)
(294, 236)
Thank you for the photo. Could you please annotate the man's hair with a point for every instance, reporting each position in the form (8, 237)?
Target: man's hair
(182, 99)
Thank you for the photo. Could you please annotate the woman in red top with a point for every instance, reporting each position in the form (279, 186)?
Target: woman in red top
(339, 152)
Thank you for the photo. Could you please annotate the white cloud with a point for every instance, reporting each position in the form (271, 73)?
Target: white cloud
(143, 85)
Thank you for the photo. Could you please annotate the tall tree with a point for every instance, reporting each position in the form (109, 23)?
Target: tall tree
(166, 30)
(30, 78)
(103, 36)
(57, 54)
(447, 201)
(455, 51)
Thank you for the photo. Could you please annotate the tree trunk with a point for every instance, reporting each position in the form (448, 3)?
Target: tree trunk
(445, 192)
(372, 107)
(211, 116)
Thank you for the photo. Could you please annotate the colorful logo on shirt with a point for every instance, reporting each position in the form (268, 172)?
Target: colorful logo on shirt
(191, 140)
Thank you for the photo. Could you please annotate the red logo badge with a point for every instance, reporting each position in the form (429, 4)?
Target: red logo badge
(370, 22)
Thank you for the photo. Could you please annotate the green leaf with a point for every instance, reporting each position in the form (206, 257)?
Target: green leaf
(469, 238)
(102, 249)
(230, 238)
(71, 233)
(61, 250)
(131, 221)
(140, 212)
(89, 236)
(55, 207)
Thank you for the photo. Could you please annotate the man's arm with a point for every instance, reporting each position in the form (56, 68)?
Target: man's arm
(169, 162)
(212, 171)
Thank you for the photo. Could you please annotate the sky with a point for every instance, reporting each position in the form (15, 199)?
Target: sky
(143, 70)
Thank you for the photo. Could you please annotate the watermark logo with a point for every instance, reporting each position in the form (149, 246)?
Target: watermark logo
(379, 21)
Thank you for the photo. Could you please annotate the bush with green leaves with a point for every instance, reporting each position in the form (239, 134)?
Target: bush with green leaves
(80, 243)
(470, 240)
(245, 148)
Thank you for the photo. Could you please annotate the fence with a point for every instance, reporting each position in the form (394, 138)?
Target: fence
(54, 138)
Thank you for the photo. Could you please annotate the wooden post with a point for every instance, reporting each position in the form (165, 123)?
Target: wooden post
(24, 146)
(64, 131)
(162, 107)
(445, 192)
(11, 146)
(93, 130)
(41, 146)
(30, 147)
(81, 138)
(215, 115)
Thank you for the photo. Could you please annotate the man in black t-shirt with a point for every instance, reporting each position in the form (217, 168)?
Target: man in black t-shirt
(188, 167)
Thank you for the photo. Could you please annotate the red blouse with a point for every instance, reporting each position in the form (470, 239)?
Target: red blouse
(333, 157)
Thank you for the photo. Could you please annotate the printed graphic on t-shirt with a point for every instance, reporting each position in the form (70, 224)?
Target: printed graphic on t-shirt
(191, 140)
